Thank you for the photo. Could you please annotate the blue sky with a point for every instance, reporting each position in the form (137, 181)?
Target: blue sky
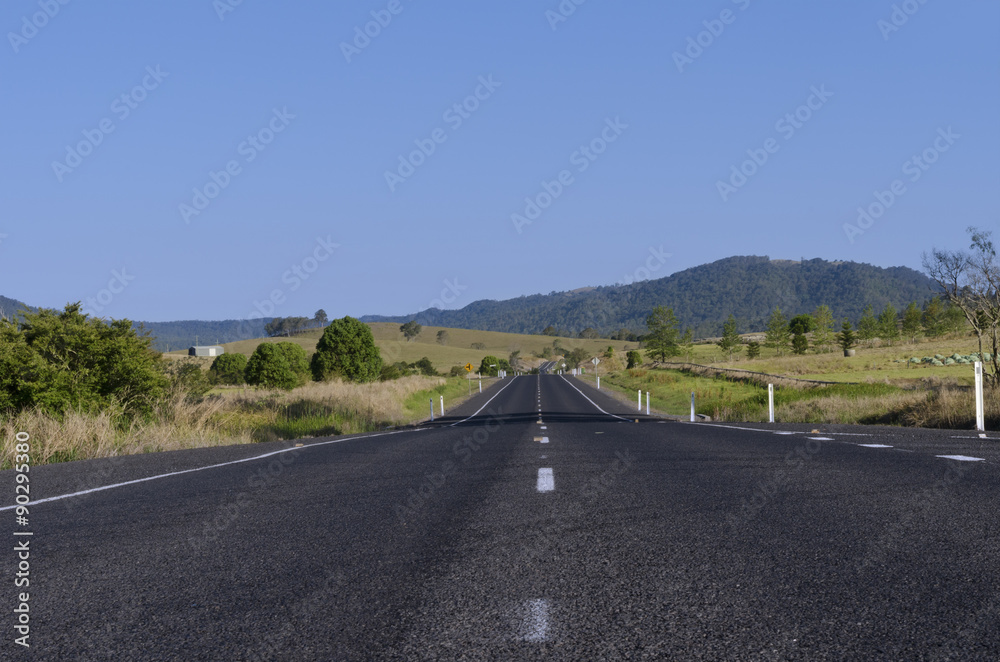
(121, 120)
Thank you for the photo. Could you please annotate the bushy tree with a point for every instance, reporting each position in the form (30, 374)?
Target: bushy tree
(912, 321)
(730, 341)
(228, 369)
(297, 359)
(425, 367)
(442, 337)
(753, 349)
(59, 361)
(664, 334)
(802, 324)
(799, 343)
(589, 333)
(320, 317)
(633, 358)
(846, 338)
(868, 326)
(269, 367)
(888, 324)
(489, 366)
(347, 350)
(822, 335)
(411, 330)
(577, 356)
(933, 318)
(777, 335)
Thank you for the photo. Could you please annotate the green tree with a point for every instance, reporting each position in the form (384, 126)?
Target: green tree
(297, 360)
(321, 317)
(489, 366)
(912, 317)
(228, 369)
(58, 361)
(425, 367)
(347, 350)
(933, 318)
(686, 343)
(550, 331)
(799, 343)
(888, 324)
(777, 335)
(822, 335)
(802, 324)
(730, 340)
(442, 337)
(868, 326)
(577, 356)
(589, 333)
(411, 330)
(633, 358)
(846, 338)
(753, 349)
(268, 367)
(664, 333)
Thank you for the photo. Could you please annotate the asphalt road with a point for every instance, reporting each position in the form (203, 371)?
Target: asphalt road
(587, 536)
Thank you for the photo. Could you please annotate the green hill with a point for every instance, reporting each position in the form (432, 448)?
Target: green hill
(702, 298)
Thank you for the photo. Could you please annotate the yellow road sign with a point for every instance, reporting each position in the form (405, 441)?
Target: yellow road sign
(468, 367)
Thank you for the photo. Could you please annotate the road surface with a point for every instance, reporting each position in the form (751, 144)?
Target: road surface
(540, 520)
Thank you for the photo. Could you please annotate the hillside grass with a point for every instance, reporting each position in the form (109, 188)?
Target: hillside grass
(457, 352)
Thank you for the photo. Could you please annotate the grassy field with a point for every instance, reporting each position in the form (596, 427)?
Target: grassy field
(456, 351)
(233, 416)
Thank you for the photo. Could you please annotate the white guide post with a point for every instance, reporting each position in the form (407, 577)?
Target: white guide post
(770, 402)
(640, 400)
(980, 409)
(692, 406)
(442, 405)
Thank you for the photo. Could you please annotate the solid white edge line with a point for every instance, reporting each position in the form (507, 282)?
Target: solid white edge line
(736, 427)
(512, 379)
(211, 466)
(591, 401)
(962, 458)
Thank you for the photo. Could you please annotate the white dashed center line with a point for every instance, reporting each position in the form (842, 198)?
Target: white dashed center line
(962, 458)
(536, 621)
(546, 481)
(874, 446)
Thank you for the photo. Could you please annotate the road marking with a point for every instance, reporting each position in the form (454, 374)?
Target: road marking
(820, 438)
(737, 427)
(962, 458)
(545, 427)
(874, 446)
(546, 481)
(487, 402)
(598, 433)
(535, 627)
(211, 466)
(591, 401)
(543, 440)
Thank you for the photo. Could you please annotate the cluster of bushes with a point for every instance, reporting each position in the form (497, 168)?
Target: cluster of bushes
(403, 369)
(68, 361)
(60, 361)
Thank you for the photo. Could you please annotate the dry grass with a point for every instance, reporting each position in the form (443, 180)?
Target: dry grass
(233, 417)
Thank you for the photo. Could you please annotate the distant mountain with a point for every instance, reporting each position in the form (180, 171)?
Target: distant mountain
(10, 307)
(170, 336)
(749, 287)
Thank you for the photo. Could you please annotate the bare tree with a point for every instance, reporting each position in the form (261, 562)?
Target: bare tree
(970, 281)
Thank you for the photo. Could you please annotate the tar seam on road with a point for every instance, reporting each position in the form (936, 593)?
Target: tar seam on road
(211, 466)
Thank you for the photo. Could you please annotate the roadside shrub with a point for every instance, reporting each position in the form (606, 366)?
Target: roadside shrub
(347, 350)
(228, 369)
(297, 359)
(269, 367)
